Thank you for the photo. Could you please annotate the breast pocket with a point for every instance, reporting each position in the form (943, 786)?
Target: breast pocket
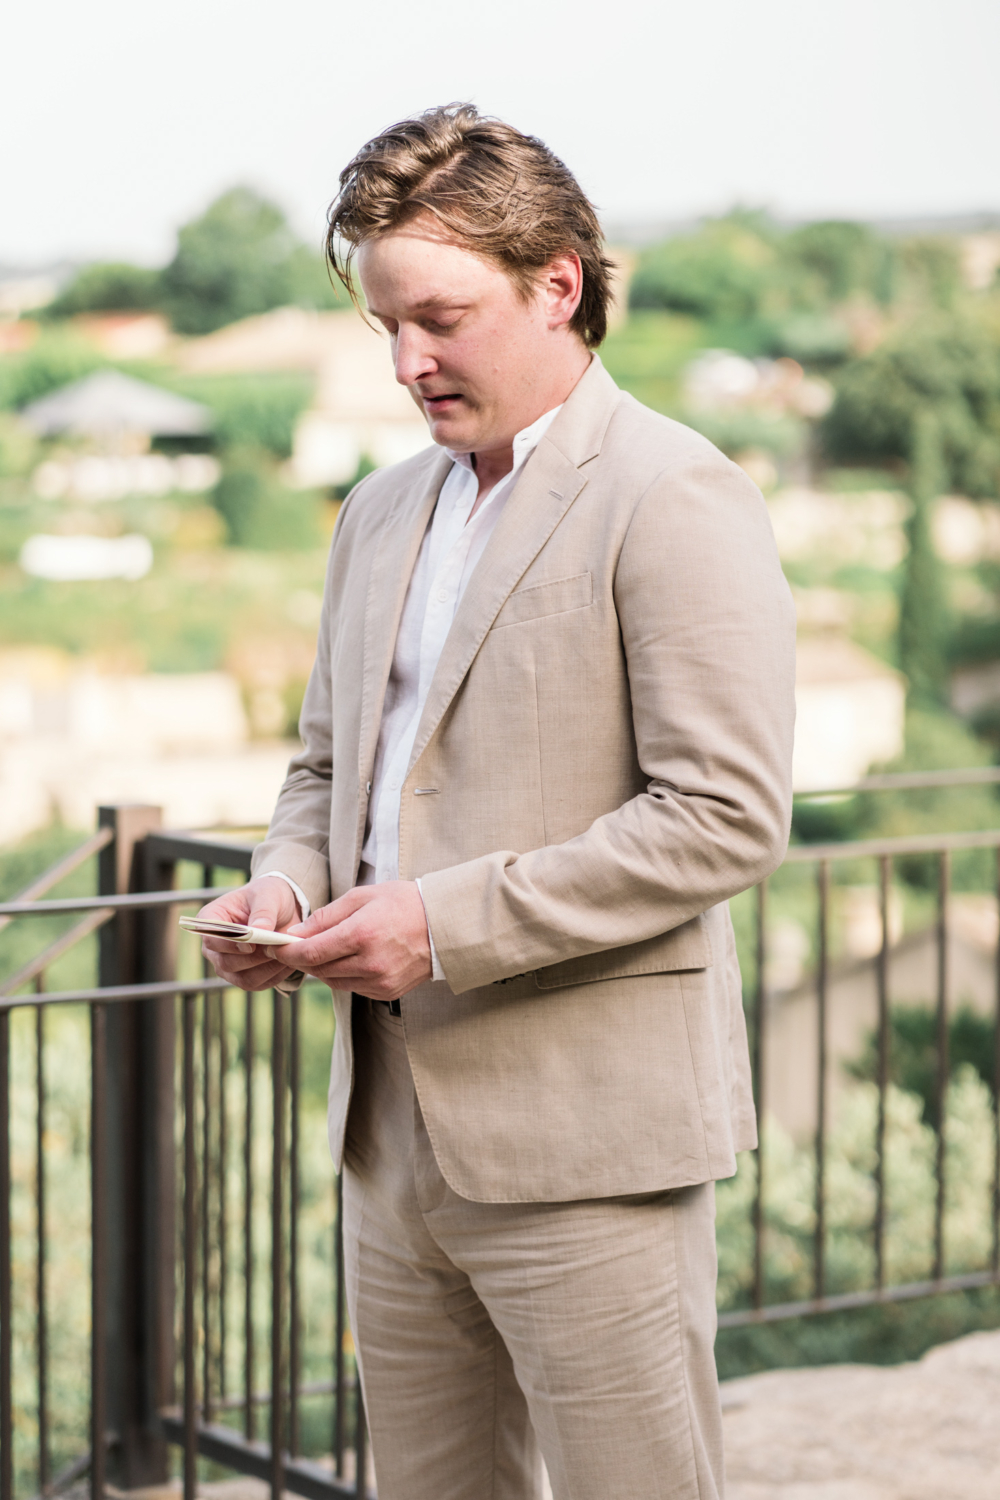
(541, 599)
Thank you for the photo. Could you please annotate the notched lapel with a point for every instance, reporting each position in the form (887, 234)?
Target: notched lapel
(389, 577)
(546, 490)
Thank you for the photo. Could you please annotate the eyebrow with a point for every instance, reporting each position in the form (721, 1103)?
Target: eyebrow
(425, 304)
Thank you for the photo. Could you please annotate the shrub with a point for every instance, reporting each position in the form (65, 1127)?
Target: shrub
(261, 514)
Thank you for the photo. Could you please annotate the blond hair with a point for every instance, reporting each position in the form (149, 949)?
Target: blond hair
(502, 194)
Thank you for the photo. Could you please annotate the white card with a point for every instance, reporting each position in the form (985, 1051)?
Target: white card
(237, 932)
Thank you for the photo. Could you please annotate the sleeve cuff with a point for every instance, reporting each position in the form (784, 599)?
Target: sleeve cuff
(297, 891)
(436, 970)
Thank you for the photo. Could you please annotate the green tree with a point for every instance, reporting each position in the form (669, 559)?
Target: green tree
(930, 271)
(720, 273)
(240, 258)
(944, 364)
(929, 398)
(57, 357)
(254, 409)
(839, 259)
(258, 512)
(108, 286)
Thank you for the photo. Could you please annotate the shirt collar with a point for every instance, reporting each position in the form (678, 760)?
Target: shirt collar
(525, 442)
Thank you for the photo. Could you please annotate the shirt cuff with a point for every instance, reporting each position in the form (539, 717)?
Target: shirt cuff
(436, 970)
(297, 891)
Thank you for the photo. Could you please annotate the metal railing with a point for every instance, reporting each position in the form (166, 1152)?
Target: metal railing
(178, 1208)
(885, 852)
(159, 1058)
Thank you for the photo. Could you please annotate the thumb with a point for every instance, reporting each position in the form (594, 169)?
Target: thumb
(272, 905)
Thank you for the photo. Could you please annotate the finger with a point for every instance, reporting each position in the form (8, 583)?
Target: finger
(274, 904)
(270, 915)
(372, 987)
(341, 942)
(257, 977)
(213, 948)
(336, 912)
(241, 959)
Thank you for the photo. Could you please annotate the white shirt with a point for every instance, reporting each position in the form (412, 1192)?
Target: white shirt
(449, 552)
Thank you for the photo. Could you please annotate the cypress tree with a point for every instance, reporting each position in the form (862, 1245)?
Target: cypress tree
(922, 609)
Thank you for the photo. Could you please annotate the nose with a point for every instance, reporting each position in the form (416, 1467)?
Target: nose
(412, 358)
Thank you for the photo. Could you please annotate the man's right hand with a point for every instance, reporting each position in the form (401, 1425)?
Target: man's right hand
(264, 902)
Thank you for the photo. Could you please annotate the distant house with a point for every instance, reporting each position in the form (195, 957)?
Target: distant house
(120, 416)
(126, 335)
(850, 710)
(116, 409)
(358, 408)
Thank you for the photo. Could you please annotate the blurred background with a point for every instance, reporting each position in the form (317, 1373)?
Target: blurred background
(804, 207)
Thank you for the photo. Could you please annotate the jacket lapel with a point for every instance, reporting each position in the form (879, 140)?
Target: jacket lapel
(388, 580)
(551, 481)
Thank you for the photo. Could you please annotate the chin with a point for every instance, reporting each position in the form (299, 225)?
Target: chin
(453, 435)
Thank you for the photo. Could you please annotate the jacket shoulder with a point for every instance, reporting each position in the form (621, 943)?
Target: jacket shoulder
(657, 444)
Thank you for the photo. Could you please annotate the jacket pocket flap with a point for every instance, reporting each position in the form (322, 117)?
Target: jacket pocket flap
(685, 947)
(541, 599)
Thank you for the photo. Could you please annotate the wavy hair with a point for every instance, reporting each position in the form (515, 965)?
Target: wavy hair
(502, 194)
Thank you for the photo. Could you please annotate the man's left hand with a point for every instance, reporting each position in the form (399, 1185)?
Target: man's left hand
(374, 941)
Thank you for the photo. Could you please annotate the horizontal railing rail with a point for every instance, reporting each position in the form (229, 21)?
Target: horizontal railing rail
(114, 994)
(915, 843)
(59, 871)
(147, 901)
(907, 781)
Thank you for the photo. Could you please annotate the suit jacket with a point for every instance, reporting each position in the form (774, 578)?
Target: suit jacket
(603, 759)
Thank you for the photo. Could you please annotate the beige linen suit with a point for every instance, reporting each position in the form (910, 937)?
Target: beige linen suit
(603, 759)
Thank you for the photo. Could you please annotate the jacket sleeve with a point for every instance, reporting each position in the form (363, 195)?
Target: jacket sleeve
(708, 629)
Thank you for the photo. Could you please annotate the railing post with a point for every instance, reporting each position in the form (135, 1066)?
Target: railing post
(760, 1022)
(138, 1279)
(6, 1299)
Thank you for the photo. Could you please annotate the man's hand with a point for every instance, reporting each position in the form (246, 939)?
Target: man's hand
(265, 902)
(374, 940)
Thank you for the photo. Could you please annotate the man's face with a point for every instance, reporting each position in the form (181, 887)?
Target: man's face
(479, 360)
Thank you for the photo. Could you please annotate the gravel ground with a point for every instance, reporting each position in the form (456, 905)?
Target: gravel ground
(923, 1431)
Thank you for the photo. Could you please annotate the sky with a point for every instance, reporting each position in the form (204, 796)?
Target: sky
(122, 120)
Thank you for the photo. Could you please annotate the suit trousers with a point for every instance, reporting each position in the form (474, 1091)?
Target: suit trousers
(491, 1335)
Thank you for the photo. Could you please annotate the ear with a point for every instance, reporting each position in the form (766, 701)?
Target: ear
(561, 285)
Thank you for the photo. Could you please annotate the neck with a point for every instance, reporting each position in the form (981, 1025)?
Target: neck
(491, 467)
(492, 464)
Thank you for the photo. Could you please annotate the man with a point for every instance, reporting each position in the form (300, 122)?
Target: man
(548, 734)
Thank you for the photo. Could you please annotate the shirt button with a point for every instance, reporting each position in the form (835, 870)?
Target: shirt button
(443, 596)
(394, 786)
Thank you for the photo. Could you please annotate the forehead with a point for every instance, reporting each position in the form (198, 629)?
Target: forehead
(419, 265)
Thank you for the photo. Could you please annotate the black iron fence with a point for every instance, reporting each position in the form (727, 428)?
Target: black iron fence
(885, 853)
(197, 1208)
(172, 1237)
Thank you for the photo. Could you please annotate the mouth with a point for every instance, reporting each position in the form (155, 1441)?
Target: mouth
(437, 404)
